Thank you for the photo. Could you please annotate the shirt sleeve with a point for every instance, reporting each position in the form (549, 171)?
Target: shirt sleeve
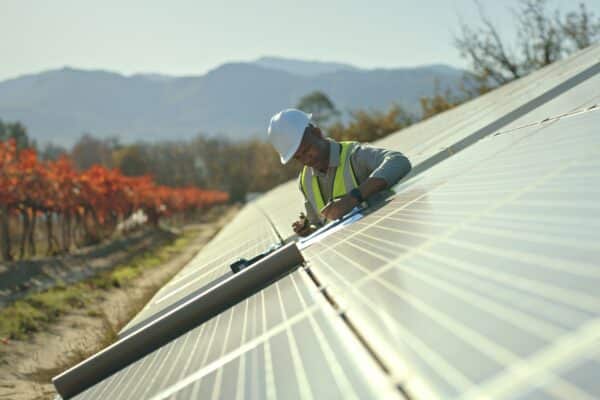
(373, 162)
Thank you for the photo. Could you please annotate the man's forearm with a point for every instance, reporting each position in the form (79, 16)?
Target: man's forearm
(372, 186)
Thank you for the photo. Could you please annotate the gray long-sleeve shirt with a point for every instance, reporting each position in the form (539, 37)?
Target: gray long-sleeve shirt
(367, 162)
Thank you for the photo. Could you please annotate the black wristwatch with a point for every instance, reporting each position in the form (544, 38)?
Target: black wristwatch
(357, 195)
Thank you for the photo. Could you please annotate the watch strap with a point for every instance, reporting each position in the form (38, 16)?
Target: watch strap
(357, 195)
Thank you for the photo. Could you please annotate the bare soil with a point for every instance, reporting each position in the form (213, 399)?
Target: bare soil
(27, 367)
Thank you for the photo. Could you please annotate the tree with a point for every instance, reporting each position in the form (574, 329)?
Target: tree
(89, 151)
(52, 152)
(368, 126)
(439, 102)
(131, 160)
(17, 132)
(319, 105)
(542, 38)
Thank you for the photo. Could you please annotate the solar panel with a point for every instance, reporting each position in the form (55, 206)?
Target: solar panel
(481, 267)
(282, 205)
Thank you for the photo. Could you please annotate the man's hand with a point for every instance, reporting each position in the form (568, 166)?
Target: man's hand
(302, 227)
(336, 208)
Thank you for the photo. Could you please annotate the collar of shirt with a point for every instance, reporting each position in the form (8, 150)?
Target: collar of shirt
(334, 159)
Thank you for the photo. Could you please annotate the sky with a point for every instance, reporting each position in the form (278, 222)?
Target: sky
(180, 37)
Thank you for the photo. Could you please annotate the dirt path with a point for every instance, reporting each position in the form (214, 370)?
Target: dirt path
(26, 367)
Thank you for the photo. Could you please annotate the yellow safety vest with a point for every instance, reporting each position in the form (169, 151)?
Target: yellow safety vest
(343, 182)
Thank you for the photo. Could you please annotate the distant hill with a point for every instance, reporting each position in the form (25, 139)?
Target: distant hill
(305, 68)
(235, 99)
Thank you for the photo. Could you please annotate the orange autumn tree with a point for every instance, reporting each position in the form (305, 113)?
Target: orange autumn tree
(87, 206)
(8, 197)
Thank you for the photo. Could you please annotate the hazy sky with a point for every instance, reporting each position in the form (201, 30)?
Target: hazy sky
(181, 37)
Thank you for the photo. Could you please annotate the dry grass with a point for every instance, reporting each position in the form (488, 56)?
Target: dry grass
(36, 311)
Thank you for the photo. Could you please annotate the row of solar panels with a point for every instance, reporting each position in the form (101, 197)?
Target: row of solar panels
(477, 279)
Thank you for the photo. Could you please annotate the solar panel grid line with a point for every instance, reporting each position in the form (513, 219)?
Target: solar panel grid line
(219, 376)
(571, 346)
(486, 346)
(157, 373)
(520, 320)
(141, 369)
(575, 298)
(391, 245)
(504, 220)
(581, 203)
(254, 360)
(562, 264)
(301, 376)
(545, 239)
(271, 392)
(401, 368)
(552, 292)
(543, 330)
(557, 314)
(199, 339)
(415, 221)
(530, 219)
(241, 376)
(147, 370)
(341, 380)
(178, 357)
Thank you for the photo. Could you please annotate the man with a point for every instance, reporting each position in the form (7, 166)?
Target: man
(337, 176)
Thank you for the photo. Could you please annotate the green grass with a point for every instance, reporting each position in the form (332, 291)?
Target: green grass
(36, 311)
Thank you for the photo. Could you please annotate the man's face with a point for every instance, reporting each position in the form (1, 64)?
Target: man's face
(313, 151)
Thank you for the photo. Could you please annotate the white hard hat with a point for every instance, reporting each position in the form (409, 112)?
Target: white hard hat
(286, 130)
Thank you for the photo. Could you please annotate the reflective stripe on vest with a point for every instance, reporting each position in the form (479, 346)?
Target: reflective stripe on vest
(343, 182)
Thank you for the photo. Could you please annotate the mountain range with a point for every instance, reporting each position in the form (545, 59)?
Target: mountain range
(234, 99)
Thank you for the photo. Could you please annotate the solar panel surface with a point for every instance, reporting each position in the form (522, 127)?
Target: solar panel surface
(488, 264)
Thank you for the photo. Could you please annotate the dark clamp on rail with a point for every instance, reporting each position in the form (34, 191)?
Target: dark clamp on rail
(243, 263)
